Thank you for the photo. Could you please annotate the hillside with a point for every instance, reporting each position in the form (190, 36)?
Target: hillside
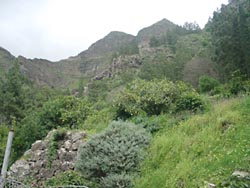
(169, 108)
(116, 53)
(203, 149)
(66, 73)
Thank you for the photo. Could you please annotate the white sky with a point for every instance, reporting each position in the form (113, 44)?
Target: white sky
(57, 29)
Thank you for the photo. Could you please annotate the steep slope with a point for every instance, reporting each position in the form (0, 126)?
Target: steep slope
(109, 44)
(158, 29)
(115, 53)
(6, 60)
(99, 55)
(53, 74)
(66, 73)
(205, 149)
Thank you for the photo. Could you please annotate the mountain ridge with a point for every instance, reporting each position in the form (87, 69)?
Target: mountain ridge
(99, 58)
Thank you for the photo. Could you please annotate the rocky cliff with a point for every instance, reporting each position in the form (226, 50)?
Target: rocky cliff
(42, 162)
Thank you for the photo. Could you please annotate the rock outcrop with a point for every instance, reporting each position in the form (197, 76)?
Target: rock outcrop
(36, 164)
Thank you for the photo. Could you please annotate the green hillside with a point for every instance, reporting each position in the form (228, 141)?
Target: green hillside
(167, 108)
(206, 148)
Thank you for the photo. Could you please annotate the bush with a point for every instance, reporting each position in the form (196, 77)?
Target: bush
(68, 178)
(116, 180)
(66, 111)
(152, 97)
(156, 97)
(238, 84)
(117, 150)
(207, 84)
(189, 101)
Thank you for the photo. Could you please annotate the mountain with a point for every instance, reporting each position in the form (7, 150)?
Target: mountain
(108, 56)
(6, 60)
(110, 43)
(156, 30)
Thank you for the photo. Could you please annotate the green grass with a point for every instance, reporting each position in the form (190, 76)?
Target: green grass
(204, 148)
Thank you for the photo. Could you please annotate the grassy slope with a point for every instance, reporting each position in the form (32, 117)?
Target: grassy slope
(205, 148)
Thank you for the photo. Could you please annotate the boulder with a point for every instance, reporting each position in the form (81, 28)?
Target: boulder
(20, 169)
(76, 145)
(78, 136)
(38, 145)
(47, 173)
(67, 145)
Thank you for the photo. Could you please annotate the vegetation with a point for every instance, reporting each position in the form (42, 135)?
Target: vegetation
(156, 97)
(166, 134)
(53, 146)
(109, 158)
(204, 148)
(68, 178)
(12, 96)
(207, 84)
(230, 29)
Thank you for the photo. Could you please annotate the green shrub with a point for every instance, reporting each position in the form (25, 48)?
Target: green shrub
(66, 111)
(236, 83)
(53, 145)
(149, 123)
(68, 178)
(156, 97)
(26, 133)
(207, 84)
(190, 101)
(116, 180)
(117, 150)
(152, 97)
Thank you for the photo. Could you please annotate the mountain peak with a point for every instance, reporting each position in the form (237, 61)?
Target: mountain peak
(157, 29)
(117, 33)
(110, 43)
(164, 21)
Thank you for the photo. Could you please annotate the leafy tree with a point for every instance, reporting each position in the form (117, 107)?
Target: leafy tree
(230, 28)
(156, 97)
(67, 111)
(191, 27)
(12, 95)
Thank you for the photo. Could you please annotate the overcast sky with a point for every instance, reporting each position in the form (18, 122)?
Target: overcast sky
(57, 29)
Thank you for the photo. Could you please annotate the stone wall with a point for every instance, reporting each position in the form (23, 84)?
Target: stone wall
(34, 164)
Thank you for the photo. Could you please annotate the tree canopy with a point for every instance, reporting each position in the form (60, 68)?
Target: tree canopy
(230, 28)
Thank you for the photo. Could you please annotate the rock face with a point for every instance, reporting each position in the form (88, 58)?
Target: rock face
(36, 164)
